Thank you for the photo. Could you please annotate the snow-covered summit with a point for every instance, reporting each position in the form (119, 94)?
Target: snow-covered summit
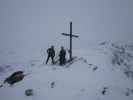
(102, 72)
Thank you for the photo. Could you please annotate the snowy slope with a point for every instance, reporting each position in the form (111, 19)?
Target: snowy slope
(83, 80)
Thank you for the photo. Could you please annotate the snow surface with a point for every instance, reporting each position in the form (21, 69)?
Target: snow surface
(83, 80)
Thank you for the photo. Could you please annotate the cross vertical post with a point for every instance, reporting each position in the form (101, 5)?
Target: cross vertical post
(71, 36)
(70, 40)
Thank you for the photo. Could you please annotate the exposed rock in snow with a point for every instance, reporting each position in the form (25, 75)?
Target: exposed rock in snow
(90, 76)
(29, 92)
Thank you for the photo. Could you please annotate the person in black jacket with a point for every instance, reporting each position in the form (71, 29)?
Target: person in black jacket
(62, 54)
(51, 54)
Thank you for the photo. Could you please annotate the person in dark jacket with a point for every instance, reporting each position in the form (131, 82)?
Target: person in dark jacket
(62, 54)
(51, 54)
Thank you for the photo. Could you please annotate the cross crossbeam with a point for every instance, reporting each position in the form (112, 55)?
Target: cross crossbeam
(76, 36)
(71, 36)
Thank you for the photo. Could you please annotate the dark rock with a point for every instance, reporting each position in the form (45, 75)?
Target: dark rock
(1, 85)
(15, 77)
(127, 93)
(104, 90)
(131, 90)
(90, 64)
(52, 84)
(29, 92)
(95, 68)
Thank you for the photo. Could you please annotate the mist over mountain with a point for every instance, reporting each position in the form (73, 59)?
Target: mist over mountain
(103, 64)
(31, 23)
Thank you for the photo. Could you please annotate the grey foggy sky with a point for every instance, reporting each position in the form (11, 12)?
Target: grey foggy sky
(32, 23)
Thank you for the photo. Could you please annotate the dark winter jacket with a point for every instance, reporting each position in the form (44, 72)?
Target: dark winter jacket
(62, 53)
(51, 52)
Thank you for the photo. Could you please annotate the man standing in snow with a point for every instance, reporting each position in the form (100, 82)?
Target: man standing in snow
(51, 54)
(62, 55)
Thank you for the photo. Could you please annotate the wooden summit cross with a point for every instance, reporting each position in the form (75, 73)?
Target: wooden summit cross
(71, 36)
